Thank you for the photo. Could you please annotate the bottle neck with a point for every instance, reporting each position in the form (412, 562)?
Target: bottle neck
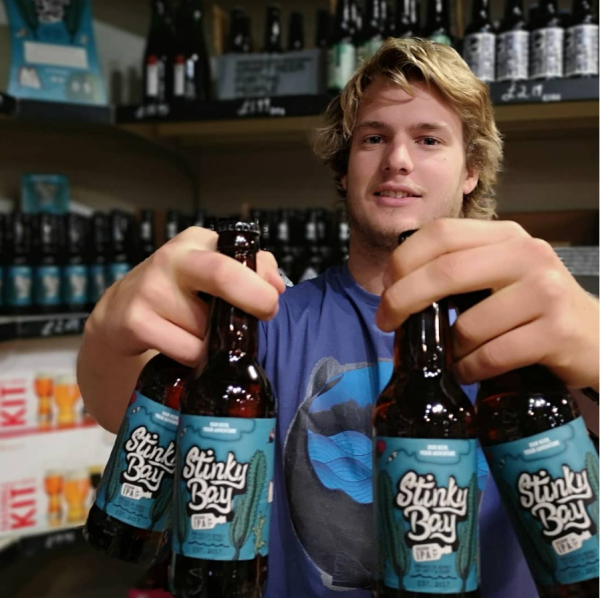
(422, 345)
(232, 332)
(514, 9)
(533, 377)
(481, 11)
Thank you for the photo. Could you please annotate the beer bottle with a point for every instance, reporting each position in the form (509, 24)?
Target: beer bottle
(131, 511)
(312, 263)
(46, 270)
(75, 270)
(199, 218)
(223, 481)
(98, 265)
(120, 251)
(146, 244)
(175, 223)
(547, 38)
(582, 41)
(158, 55)
(296, 32)
(407, 19)
(19, 272)
(372, 34)
(512, 60)
(342, 52)
(285, 256)
(323, 28)
(546, 470)
(273, 30)
(437, 28)
(238, 40)
(342, 238)
(480, 43)
(191, 68)
(425, 468)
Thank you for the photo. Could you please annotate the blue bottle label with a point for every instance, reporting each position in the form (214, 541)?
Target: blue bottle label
(549, 485)
(19, 292)
(46, 289)
(75, 284)
(224, 487)
(137, 485)
(427, 504)
(97, 282)
(114, 272)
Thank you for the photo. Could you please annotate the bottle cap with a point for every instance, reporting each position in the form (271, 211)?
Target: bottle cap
(238, 226)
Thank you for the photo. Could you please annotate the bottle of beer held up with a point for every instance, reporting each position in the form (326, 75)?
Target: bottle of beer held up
(130, 516)
(425, 468)
(225, 444)
(546, 470)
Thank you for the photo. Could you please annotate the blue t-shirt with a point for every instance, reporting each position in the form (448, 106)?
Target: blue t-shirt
(328, 362)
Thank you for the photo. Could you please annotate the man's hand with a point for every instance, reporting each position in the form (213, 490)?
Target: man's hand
(156, 305)
(156, 308)
(537, 313)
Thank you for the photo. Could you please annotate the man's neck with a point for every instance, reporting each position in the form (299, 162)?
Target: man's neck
(368, 266)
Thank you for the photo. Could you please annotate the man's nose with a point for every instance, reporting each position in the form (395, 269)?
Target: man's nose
(398, 159)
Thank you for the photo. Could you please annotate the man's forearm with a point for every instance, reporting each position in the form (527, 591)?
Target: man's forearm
(106, 380)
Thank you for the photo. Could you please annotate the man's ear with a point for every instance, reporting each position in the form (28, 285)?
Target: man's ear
(471, 180)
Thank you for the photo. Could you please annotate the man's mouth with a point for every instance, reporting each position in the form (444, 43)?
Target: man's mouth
(395, 194)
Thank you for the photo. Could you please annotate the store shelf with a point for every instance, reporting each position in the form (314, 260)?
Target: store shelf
(527, 107)
(35, 110)
(41, 326)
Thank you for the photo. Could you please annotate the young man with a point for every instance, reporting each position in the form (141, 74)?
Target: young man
(413, 144)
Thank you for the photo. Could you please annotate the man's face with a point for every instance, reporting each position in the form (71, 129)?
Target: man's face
(407, 164)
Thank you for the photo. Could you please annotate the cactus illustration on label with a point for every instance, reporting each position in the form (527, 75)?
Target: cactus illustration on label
(248, 504)
(467, 536)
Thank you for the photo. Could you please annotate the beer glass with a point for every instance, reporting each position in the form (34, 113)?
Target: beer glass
(66, 394)
(53, 484)
(77, 487)
(44, 388)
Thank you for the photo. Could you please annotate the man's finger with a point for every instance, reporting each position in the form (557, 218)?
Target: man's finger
(222, 276)
(515, 349)
(266, 266)
(509, 308)
(484, 267)
(448, 235)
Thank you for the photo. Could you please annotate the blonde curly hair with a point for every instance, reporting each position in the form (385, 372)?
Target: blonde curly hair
(402, 61)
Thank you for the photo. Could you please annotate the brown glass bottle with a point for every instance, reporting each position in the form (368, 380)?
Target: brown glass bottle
(138, 469)
(231, 392)
(424, 437)
(532, 405)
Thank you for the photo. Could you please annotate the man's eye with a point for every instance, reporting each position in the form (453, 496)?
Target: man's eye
(373, 139)
(429, 141)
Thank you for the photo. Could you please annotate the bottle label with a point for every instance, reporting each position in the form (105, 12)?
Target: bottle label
(114, 272)
(47, 285)
(480, 55)
(224, 487)
(97, 282)
(179, 77)
(427, 504)
(513, 56)
(137, 484)
(441, 38)
(549, 486)
(547, 53)
(152, 76)
(75, 280)
(18, 286)
(582, 50)
(342, 63)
